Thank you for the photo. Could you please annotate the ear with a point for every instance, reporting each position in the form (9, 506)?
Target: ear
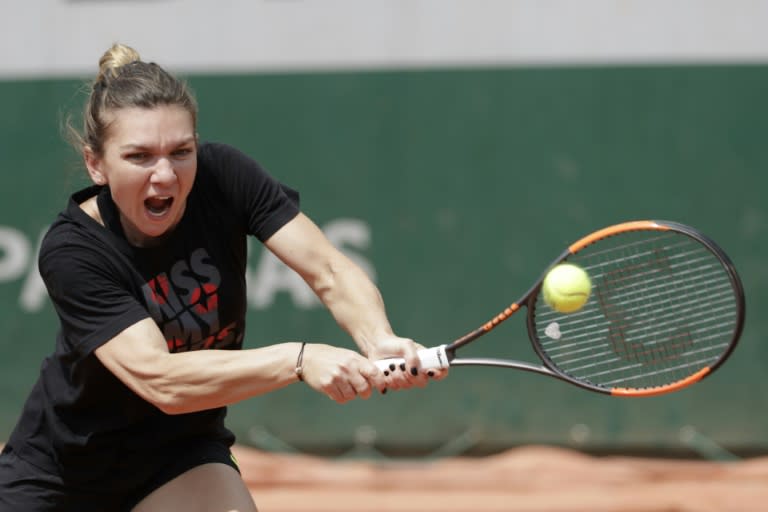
(94, 165)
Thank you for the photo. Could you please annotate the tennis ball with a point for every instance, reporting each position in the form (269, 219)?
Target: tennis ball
(566, 288)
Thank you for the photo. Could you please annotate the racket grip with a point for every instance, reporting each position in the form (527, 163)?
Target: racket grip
(430, 358)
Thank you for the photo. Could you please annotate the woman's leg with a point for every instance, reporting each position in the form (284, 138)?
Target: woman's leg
(213, 487)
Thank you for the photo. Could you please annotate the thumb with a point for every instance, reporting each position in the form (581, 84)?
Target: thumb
(372, 374)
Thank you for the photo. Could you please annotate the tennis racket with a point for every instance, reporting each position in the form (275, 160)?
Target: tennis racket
(666, 309)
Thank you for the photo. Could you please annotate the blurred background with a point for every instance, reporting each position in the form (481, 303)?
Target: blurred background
(453, 149)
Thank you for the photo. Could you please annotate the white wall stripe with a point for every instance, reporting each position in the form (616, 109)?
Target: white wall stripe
(65, 37)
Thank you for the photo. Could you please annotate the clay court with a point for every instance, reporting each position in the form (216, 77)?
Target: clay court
(527, 479)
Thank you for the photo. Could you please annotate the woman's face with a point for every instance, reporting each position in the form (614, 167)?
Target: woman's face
(149, 162)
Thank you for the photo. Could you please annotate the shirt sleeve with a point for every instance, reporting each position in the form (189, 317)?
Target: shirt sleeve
(92, 301)
(262, 202)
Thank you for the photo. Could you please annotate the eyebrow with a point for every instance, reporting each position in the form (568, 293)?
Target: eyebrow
(134, 146)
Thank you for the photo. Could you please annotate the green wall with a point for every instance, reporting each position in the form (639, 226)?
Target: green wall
(470, 181)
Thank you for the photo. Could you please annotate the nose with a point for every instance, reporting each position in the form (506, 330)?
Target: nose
(163, 171)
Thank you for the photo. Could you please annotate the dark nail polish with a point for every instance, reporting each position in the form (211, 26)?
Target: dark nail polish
(392, 366)
(386, 373)
(431, 373)
(384, 391)
(402, 366)
(414, 372)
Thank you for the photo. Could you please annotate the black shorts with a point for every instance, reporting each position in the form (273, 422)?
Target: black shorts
(25, 487)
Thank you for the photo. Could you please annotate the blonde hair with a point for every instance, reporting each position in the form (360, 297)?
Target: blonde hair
(125, 81)
(115, 58)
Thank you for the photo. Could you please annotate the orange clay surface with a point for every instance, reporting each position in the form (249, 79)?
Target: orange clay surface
(528, 479)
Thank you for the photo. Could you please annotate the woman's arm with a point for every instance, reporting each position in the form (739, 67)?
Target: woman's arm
(352, 298)
(191, 381)
(185, 382)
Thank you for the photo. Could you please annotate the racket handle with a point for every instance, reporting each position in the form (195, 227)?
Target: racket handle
(430, 358)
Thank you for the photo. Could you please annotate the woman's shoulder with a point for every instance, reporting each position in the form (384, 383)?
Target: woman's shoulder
(228, 168)
(217, 153)
(67, 243)
(78, 228)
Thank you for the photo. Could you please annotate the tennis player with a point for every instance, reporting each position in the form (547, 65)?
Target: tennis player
(146, 270)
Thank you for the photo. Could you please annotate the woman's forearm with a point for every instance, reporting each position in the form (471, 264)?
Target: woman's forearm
(198, 380)
(354, 301)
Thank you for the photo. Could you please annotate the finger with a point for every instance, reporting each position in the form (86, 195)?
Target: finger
(420, 379)
(414, 376)
(411, 359)
(400, 378)
(363, 390)
(347, 392)
(340, 392)
(361, 386)
(437, 374)
(374, 375)
(396, 379)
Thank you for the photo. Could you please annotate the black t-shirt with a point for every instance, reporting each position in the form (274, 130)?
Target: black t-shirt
(80, 420)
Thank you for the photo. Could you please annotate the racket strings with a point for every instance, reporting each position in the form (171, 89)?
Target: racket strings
(662, 308)
(584, 329)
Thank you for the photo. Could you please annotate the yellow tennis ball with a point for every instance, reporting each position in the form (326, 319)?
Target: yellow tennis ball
(566, 288)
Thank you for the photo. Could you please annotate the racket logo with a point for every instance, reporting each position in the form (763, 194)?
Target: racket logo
(553, 331)
(668, 349)
(443, 363)
(627, 325)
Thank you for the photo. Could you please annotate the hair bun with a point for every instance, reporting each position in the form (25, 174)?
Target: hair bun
(115, 58)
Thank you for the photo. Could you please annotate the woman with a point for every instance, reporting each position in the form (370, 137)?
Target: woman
(146, 271)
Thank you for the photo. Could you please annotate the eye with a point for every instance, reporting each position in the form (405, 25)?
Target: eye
(139, 156)
(182, 152)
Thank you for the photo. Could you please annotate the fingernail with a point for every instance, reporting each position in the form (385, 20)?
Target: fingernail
(384, 391)
(392, 366)
(386, 373)
(431, 373)
(402, 366)
(414, 372)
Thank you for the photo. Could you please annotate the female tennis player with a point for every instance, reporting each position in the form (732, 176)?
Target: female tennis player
(146, 270)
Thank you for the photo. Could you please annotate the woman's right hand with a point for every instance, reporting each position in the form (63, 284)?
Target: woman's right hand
(339, 373)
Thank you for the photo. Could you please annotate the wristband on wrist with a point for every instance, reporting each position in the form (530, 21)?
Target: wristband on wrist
(300, 362)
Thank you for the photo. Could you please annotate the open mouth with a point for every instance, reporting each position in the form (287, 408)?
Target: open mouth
(158, 206)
